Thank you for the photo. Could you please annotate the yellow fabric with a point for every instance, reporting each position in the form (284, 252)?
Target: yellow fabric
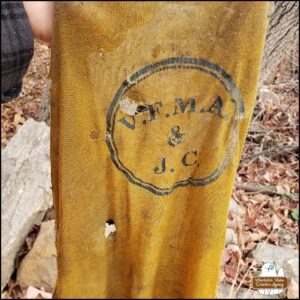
(165, 174)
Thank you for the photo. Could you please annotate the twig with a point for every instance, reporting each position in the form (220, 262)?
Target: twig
(235, 279)
(262, 189)
(276, 150)
(256, 188)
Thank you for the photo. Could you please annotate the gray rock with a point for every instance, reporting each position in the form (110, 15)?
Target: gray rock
(234, 207)
(38, 268)
(266, 94)
(291, 269)
(26, 189)
(270, 253)
(230, 237)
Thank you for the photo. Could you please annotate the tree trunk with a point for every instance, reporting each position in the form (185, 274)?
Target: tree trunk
(43, 114)
(282, 35)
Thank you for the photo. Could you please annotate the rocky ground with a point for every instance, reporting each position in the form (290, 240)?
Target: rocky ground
(264, 210)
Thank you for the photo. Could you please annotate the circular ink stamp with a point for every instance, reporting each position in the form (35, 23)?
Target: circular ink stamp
(173, 124)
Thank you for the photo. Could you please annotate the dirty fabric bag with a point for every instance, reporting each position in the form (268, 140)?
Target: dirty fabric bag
(151, 102)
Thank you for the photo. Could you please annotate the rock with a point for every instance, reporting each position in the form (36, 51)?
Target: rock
(286, 238)
(273, 253)
(223, 291)
(266, 94)
(38, 268)
(230, 237)
(291, 269)
(26, 189)
(234, 207)
(293, 290)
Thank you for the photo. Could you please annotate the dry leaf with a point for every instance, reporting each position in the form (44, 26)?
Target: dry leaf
(257, 236)
(225, 256)
(234, 248)
(251, 246)
(250, 221)
(18, 119)
(276, 222)
(230, 271)
(281, 190)
(263, 228)
(268, 177)
(274, 238)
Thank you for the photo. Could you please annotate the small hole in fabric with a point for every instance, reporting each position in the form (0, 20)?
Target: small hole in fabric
(110, 229)
(141, 108)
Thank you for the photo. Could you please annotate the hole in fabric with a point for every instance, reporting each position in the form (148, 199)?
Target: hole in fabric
(110, 229)
(131, 107)
(110, 222)
(128, 106)
(141, 108)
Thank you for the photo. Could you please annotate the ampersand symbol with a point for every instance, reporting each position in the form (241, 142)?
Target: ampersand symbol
(176, 136)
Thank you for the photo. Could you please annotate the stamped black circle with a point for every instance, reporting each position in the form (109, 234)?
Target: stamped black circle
(162, 66)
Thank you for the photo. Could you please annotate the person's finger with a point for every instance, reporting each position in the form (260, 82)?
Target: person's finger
(40, 15)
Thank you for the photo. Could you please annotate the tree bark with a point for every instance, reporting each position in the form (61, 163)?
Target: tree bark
(282, 35)
(43, 114)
